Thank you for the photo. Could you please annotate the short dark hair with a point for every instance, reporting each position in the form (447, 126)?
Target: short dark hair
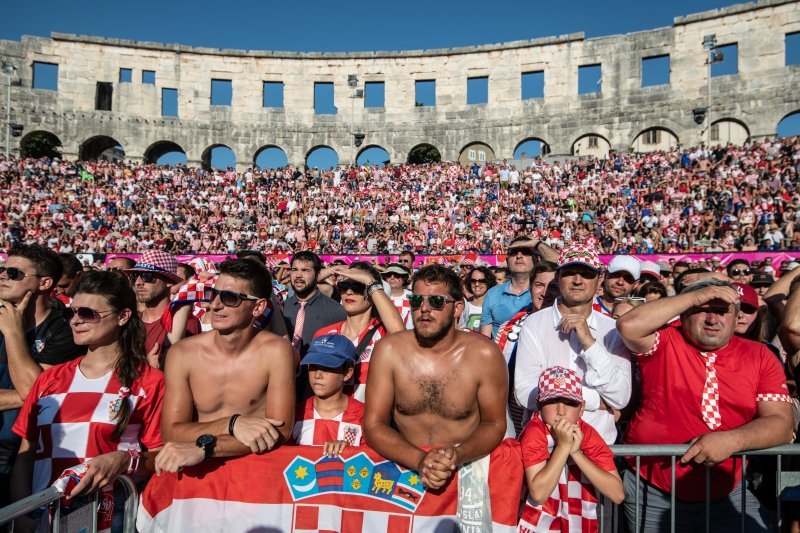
(190, 270)
(408, 252)
(71, 266)
(682, 264)
(435, 273)
(652, 287)
(491, 281)
(45, 260)
(542, 267)
(256, 274)
(308, 257)
(128, 260)
(679, 287)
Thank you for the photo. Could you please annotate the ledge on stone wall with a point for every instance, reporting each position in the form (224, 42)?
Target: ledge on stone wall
(730, 10)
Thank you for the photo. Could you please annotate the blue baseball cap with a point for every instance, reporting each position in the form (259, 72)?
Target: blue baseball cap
(330, 351)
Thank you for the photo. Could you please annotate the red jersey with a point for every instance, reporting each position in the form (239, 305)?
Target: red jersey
(573, 504)
(673, 378)
(312, 430)
(68, 416)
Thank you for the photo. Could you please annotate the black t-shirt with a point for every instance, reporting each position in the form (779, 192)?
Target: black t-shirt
(50, 343)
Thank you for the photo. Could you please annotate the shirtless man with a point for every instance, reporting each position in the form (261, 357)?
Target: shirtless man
(239, 379)
(445, 389)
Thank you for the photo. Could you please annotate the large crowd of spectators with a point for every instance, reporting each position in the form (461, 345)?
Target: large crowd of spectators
(696, 200)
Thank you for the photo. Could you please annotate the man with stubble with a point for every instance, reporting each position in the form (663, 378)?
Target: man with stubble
(444, 389)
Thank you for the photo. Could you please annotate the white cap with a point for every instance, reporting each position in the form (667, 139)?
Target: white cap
(791, 265)
(625, 263)
(651, 268)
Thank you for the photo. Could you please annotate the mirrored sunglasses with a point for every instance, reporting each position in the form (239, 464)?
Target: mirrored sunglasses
(435, 301)
(85, 314)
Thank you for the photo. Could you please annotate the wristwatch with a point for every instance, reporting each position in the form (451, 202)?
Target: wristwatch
(374, 287)
(207, 443)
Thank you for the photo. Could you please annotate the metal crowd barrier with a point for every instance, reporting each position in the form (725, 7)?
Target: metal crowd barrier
(674, 452)
(52, 497)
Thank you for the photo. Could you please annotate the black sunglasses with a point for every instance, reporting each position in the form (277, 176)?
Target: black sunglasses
(228, 298)
(585, 273)
(435, 301)
(737, 272)
(350, 285)
(15, 274)
(478, 281)
(86, 314)
(147, 277)
(527, 252)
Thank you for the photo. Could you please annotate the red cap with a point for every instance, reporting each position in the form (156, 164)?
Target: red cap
(747, 295)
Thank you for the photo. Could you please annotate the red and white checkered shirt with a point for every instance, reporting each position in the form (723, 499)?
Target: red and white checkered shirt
(310, 429)
(404, 308)
(573, 504)
(359, 390)
(67, 416)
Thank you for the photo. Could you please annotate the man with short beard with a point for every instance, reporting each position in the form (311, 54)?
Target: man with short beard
(619, 282)
(436, 397)
(152, 278)
(573, 335)
(307, 310)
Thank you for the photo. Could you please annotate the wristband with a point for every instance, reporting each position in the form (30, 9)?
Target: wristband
(374, 287)
(231, 423)
(133, 465)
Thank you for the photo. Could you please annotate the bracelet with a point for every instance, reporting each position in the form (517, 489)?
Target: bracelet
(231, 423)
(374, 287)
(133, 465)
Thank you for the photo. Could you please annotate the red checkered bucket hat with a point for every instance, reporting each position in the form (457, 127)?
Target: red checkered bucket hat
(580, 254)
(559, 382)
(158, 262)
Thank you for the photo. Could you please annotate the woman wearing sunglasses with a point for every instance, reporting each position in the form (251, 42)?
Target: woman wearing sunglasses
(107, 403)
(371, 315)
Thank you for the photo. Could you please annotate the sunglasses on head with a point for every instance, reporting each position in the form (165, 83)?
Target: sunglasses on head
(350, 285)
(86, 314)
(743, 272)
(435, 301)
(147, 277)
(228, 298)
(15, 274)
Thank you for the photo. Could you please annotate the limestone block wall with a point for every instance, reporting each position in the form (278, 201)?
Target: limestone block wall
(762, 92)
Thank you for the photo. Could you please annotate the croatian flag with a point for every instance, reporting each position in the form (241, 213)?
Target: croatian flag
(296, 488)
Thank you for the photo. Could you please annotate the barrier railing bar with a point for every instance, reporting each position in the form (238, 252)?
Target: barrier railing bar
(778, 492)
(31, 503)
(708, 499)
(638, 471)
(672, 497)
(744, 489)
(666, 450)
(131, 504)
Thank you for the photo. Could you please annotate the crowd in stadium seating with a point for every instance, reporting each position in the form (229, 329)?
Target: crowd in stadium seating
(696, 200)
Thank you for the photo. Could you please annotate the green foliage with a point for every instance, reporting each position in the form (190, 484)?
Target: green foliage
(424, 153)
(40, 144)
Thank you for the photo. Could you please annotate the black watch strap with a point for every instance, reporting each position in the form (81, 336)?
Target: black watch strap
(207, 443)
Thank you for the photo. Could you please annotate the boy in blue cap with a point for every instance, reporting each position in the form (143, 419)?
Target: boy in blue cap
(329, 418)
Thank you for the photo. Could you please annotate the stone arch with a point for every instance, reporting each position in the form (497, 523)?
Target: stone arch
(324, 151)
(368, 151)
(482, 153)
(726, 130)
(40, 143)
(789, 125)
(653, 139)
(424, 153)
(158, 149)
(544, 148)
(270, 152)
(101, 147)
(584, 146)
(211, 152)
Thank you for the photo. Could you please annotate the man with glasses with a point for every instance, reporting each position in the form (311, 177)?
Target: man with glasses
(239, 379)
(505, 300)
(34, 338)
(573, 335)
(152, 279)
(436, 397)
(619, 282)
(739, 271)
(407, 260)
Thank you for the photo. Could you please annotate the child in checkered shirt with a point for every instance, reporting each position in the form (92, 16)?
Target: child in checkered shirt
(330, 418)
(566, 461)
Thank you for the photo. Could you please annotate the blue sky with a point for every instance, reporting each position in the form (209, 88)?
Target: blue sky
(340, 26)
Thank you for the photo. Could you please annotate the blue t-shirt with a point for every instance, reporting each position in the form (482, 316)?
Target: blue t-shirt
(500, 305)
